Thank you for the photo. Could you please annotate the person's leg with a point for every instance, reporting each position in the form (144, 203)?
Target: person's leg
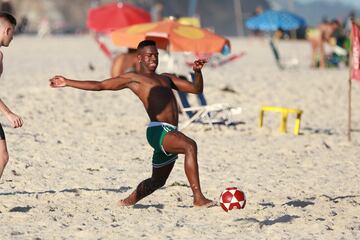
(314, 47)
(177, 142)
(4, 156)
(322, 54)
(148, 186)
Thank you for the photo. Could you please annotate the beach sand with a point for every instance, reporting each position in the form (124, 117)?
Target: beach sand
(79, 152)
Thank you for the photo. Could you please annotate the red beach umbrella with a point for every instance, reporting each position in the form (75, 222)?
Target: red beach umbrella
(109, 17)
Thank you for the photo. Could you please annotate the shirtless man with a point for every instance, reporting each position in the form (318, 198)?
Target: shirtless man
(124, 63)
(7, 28)
(155, 92)
(318, 37)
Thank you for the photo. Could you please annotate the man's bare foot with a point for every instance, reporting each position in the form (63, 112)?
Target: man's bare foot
(129, 201)
(204, 203)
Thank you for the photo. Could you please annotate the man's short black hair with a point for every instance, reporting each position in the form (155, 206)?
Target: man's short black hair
(146, 43)
(10, 18)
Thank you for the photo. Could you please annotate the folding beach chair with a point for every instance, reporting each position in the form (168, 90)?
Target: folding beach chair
(216, 60)
(212, 115)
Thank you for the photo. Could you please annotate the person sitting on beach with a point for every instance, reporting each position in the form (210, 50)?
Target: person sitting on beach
(318, 37)
(155, 92)
(7, 29)
(124, 63)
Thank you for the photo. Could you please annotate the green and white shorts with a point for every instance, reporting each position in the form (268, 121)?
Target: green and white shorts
(155, 135)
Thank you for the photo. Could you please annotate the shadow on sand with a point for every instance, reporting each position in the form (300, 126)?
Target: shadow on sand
(282, 219)
(142, 206)
(67, 190)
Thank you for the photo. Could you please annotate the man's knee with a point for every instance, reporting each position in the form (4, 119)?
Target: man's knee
(191, 146)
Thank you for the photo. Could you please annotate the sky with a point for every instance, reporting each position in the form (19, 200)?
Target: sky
(348, 2)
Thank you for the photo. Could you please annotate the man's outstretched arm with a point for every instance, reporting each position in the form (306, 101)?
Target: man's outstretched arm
(116, 83)
(184, 85)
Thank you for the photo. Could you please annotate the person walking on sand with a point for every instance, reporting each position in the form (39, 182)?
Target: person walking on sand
(155, 92)
(7, 28)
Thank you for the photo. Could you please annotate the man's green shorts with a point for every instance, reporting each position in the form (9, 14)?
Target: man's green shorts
(155, 135)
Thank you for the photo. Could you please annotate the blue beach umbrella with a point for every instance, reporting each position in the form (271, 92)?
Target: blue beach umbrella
(273, 20)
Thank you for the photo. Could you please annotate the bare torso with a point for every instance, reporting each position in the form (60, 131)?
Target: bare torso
(156, 94)
(326, 31)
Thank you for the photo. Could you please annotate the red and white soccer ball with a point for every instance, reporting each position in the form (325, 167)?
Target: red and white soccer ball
(232, 198)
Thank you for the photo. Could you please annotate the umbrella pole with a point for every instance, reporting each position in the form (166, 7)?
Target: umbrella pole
(192, 8)
(239, 18)
(349, 110)
(103, 46)
(349, 93)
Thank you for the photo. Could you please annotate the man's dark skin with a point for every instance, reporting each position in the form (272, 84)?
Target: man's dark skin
(155, 92)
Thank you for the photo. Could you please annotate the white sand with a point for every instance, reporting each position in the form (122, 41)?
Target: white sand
(80, 152)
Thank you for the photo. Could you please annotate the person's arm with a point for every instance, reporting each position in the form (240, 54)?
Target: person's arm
(116, 83)
(3, 108)
(14, 119)
(184, 85)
